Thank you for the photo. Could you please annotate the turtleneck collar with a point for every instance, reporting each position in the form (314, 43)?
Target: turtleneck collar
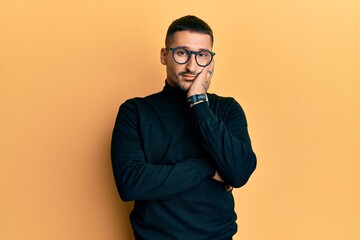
(174, 93)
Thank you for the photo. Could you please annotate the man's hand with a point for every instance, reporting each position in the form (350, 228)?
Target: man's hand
(202, 82)
(218, 178)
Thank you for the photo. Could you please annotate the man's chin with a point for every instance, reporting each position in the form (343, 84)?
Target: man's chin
(185, 86)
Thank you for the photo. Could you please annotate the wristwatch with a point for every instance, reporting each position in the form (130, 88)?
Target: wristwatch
(197, 98)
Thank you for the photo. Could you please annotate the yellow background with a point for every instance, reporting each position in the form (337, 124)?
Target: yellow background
(66, 66)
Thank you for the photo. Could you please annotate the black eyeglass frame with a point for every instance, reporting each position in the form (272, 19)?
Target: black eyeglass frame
(212, 54)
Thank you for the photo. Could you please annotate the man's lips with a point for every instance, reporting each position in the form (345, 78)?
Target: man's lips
(189, 77)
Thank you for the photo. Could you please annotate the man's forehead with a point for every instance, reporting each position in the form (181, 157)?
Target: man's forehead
(191, 39)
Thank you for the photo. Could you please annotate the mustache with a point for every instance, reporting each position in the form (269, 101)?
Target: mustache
(188, 73)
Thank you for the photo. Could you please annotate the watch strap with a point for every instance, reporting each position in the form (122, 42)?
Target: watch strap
(197, 98)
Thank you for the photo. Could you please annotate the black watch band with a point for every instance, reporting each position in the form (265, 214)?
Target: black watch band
(197, 98)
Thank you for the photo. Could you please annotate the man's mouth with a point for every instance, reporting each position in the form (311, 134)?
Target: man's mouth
(189, 76)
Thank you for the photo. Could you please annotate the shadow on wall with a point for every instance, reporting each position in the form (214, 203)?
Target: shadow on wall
(124, 227)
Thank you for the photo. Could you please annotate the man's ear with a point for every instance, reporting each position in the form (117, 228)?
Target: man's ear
(163, 55)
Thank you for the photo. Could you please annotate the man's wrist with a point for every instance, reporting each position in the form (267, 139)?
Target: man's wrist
(193, 104)
(196, 99)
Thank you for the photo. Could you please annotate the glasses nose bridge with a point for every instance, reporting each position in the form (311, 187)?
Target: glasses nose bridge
(193, 52)
(195, 56)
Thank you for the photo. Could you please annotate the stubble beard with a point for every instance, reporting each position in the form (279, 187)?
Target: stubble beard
(184, 86)
(180, 84)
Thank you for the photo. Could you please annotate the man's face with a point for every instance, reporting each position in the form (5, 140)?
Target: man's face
(183, 75)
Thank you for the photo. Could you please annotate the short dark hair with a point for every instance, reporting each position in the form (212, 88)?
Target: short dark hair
(189, 23)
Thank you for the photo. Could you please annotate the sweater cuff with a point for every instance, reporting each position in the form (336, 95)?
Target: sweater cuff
(201, 110)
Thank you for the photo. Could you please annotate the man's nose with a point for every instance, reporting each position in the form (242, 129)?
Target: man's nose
(191, 65)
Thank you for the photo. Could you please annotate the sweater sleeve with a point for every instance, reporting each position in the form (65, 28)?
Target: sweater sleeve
(227, 141)
(137, 179)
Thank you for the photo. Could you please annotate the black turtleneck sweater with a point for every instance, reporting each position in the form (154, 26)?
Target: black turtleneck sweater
(164, 155)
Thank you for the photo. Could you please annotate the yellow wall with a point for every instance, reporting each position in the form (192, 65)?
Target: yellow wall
(65, 67)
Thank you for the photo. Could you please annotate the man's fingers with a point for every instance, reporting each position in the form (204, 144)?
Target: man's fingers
(228, 188)
(217, 177)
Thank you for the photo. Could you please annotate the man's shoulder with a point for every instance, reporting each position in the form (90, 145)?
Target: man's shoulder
(223, 102)
(221, 99)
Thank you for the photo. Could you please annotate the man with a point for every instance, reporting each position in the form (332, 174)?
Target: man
(178, 153)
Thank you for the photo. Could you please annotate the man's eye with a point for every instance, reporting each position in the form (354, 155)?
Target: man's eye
(203, 54)
(182, 53)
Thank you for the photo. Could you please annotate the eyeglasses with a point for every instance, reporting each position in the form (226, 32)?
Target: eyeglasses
(181, 56)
